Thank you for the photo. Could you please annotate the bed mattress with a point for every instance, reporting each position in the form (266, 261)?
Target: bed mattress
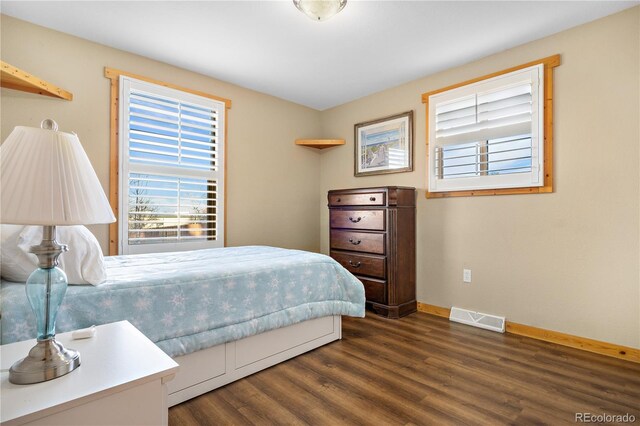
(187, 301)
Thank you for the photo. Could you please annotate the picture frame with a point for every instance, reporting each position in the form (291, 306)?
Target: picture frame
(384, 145)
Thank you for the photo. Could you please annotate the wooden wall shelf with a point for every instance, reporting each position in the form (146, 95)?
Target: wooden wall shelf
(320, 143)
(17, 79)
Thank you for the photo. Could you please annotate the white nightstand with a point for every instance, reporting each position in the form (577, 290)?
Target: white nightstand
(121, 381)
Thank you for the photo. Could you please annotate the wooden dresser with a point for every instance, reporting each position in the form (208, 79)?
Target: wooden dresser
(373, 235)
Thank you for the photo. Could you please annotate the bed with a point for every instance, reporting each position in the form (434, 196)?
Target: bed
(222, 314)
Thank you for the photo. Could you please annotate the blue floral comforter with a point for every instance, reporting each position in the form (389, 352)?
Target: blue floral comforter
(187, 301)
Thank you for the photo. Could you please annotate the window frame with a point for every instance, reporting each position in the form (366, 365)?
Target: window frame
(548, 64)
(115, 154)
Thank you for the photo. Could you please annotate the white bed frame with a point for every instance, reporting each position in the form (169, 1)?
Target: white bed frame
(208, 369)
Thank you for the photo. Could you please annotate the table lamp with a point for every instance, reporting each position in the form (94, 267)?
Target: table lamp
(46, 179)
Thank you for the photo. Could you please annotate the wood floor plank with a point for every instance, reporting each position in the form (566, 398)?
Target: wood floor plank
(524, 367)
(257, 406)
(226, 414)
(419, 395)
(299, 400)
(451, 387)
(355, 406)
(383, 392)
(419, 370)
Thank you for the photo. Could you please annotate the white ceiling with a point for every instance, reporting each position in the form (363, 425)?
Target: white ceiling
(271, 47)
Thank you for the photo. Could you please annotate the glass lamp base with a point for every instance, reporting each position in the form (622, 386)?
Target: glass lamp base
(47, 360)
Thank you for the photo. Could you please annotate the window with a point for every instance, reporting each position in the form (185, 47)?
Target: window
(171, 163)
(490, 135)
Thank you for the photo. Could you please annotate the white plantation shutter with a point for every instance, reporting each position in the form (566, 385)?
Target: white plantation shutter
(489, 134)
(184, 209)
(165, 131)
(492, 116)
(171, 176)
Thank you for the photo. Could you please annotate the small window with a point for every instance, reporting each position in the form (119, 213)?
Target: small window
(171, 169)
(488, 136)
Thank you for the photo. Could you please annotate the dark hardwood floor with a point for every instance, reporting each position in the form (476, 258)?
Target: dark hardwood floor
(419, 370)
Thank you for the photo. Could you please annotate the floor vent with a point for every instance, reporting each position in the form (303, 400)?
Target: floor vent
(477, 319)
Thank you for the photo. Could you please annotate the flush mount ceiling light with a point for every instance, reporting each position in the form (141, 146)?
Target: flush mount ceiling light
(320, 10)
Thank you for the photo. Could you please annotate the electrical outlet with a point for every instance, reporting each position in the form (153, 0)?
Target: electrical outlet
(466, 275)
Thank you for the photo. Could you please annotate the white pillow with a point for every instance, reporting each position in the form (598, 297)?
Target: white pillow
(16, 265)
(83, 263)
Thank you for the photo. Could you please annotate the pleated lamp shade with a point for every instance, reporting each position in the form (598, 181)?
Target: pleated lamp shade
(46, 178)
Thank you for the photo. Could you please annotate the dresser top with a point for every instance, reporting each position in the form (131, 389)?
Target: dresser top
(116, 358)
(374, 188)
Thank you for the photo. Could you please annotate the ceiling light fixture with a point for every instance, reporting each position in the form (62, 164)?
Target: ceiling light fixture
(320, 10)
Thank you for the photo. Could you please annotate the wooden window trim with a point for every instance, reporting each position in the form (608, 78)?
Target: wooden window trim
(114, 75)
(549, 64)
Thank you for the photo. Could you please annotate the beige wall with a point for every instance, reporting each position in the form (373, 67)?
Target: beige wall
(272, 184)
(567, 261)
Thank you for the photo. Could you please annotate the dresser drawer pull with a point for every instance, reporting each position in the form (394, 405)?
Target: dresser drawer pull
(372, 198)
(354, 242)
(355, 265)
(356, 220)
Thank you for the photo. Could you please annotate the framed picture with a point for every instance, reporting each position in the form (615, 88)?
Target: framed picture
(384, 145)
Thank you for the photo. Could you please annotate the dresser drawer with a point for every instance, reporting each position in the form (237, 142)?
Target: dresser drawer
(361, 264)
(357, 241)
(374, 290)
(366, 199)
(357, 219)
